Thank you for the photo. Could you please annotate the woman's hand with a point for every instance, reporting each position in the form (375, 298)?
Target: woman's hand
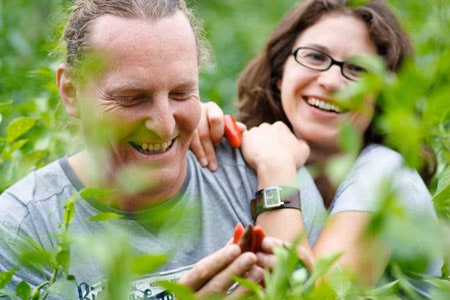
(275, 153)
(209, 133)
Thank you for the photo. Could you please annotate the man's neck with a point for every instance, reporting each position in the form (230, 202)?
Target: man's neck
(121, 197)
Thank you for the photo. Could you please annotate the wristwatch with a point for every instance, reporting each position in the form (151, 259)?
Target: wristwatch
(275, 197)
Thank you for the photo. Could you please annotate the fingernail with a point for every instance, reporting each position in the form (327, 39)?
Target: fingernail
(212, 166)
(232, 251)
(203, 162)
(268, 243)
(247, 261)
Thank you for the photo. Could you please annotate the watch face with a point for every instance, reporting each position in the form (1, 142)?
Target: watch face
(272, 197)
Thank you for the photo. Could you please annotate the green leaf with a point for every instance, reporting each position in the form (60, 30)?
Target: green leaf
(6, 293)
(63, 258)
(251, 286)
(19, 127)
(145, 264)
(88, 193)
(387, 290)
(69, 210)
(23, 290)
(65, 288)
(341, 282)
(17, 145)
(181, 292)
(441, 198)
(105, 216)
(323, 264)
(5, 105)
(6, 277)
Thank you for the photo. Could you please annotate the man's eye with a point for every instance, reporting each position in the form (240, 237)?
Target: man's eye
(127, 100)
(181, 96)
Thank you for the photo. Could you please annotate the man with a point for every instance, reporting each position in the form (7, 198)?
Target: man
(131, 78)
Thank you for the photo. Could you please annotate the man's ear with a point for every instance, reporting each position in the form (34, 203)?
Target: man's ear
(67, 90)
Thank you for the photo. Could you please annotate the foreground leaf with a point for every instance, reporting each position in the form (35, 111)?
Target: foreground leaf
(18, 127)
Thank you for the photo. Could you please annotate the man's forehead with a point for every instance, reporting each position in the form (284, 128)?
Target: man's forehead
(109, 30)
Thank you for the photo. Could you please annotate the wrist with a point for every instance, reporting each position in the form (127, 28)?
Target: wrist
(270, 174)
(275, 197)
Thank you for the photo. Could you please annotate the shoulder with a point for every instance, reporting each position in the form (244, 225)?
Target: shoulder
(377, 169)
(380, 156)
(37, 185)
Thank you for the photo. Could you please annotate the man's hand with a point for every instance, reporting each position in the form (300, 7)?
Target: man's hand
(213, 274)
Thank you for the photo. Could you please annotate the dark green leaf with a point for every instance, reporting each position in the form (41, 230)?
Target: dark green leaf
(23, 290)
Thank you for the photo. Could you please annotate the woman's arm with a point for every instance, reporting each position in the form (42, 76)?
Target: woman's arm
(275, 154)
(362, 255)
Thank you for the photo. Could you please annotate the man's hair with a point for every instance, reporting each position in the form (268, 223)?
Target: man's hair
(85, 12)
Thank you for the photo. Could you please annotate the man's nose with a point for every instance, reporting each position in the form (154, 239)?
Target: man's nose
(160, 118)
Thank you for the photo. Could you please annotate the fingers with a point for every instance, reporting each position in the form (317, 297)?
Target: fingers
(242, 127)
(268, 260)
(216, 123)
(210, 266)
(223, 280)
(197, 148)
(256, 275)
(209, 133)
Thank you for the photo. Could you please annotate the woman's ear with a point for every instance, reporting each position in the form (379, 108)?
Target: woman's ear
(67, 90)
(279, 84)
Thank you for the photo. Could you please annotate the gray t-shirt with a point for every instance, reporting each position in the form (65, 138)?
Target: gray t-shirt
(192, 225)
(376, 170)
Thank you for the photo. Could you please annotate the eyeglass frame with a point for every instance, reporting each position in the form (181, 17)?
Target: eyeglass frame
(333, 61)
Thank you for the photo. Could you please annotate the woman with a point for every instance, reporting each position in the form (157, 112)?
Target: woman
(307, 59)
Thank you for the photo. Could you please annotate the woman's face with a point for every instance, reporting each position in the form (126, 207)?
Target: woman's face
(307, 95)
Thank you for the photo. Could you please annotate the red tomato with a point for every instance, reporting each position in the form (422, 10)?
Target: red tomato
(232, 133)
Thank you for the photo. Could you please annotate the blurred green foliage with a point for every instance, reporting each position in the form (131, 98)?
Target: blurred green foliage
(35, 130)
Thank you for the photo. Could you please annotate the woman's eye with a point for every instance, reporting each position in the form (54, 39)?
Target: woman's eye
(315, 57)
(355, 69)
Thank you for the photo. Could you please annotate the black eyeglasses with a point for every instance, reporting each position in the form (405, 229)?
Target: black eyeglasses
(319, 61)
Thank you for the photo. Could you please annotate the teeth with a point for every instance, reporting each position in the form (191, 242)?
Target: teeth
(156, 148)
(323, 105)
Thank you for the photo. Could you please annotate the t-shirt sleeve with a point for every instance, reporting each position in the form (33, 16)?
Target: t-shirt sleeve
(377, 171)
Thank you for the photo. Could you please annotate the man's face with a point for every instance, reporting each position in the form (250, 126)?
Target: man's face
(144, 100)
